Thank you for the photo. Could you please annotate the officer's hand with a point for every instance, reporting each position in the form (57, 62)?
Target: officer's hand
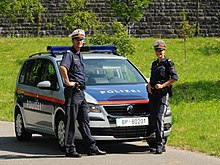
(71, 84)
(158, 86)
(149, 88)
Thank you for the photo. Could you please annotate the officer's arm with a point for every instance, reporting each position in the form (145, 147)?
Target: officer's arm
(64, 74)
(149, 88)
(167, 83)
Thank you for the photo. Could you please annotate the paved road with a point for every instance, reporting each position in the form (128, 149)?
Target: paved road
(41, 150)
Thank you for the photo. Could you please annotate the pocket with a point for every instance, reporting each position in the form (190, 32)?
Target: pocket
(68, 92)
(162, 71)
(77, 97)
(78, 66)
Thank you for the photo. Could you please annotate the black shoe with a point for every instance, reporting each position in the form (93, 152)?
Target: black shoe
(164, 149)
(96, 152)
(160, 150)
(73, 154)
(152, 149)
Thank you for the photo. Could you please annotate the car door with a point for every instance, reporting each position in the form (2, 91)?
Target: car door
(29, 78)
(47, 96)
(39, 103)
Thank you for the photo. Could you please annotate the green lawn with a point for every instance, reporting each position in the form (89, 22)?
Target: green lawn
(195, 102)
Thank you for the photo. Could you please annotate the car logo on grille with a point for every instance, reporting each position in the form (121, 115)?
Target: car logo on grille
(130, 109)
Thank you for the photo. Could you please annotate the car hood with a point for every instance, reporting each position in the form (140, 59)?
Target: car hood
(119, 94)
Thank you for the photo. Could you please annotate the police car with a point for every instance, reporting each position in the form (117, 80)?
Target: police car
(115, 92)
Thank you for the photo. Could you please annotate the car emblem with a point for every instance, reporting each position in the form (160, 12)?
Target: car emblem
(130, 109)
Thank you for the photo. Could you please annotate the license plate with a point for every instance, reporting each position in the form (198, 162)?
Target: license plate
(123, 122)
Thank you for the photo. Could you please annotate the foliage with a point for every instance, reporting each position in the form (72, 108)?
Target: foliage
(117, 35)
(26, 9)
(186, 30)
(10, 8)
(77, 17)
(197, 33)
(129, 10)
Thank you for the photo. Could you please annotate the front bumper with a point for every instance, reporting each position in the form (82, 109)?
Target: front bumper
(104, 130)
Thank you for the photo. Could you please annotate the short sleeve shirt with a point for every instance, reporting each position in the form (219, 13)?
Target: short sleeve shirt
(162, 71)
(73, 61)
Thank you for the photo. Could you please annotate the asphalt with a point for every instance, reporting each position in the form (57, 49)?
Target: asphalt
(44, 150)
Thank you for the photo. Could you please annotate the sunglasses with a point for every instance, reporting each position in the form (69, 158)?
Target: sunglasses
(159, 50)
(78, 39)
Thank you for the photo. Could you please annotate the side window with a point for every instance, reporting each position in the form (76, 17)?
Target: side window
(50, 75)
(25, 72)
(36, 73)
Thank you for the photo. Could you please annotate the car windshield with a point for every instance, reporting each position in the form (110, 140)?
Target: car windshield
(111, 71)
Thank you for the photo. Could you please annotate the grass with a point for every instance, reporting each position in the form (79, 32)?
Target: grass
(195, 102)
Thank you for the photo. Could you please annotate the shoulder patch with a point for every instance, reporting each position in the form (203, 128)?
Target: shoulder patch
(169, 61)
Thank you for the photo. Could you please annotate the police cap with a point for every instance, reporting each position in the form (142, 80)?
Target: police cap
(78, 33)
(159, 45)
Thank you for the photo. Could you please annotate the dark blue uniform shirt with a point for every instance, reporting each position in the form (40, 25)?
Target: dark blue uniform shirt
(73, 61)
(162, 71)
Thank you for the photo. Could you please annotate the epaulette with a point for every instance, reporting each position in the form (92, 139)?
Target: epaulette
(68, 51)
(169, 62)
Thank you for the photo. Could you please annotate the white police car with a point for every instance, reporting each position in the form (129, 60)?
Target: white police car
(115, 91)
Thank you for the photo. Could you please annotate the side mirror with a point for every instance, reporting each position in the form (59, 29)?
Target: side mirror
(44, 84)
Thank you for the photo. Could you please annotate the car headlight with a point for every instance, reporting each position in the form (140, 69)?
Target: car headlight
(95, 108)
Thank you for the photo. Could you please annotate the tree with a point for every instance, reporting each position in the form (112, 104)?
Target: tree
(186, 30)
(197, 18)
(77, 17)
(10, 8)
(117, 35)
(26, 9)
(129, 10)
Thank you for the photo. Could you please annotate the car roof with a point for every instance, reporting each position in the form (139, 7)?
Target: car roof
(102, 56)
(103, 52)
(58, 57)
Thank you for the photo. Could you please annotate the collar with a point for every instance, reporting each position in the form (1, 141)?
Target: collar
(72, 49)
(163, 60)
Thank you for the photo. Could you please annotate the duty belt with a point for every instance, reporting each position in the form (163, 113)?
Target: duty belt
(77, 87)
(80, 86)
(163, 91)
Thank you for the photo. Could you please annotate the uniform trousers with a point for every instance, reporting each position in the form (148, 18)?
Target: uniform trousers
(77, 109)
(158, 107)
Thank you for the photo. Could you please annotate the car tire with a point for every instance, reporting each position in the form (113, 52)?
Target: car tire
(60, 131)
(21, 133)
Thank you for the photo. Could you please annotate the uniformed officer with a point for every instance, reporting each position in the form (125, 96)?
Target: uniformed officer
(163, 74)
(72, 71)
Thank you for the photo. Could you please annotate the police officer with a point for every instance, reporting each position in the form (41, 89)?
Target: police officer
(163, 74)
(72, 71)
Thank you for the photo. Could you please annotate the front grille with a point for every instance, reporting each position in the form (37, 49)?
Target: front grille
(126, 132)
(121, 132)
(122, 110)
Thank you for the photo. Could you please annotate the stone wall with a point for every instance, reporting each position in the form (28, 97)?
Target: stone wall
(161, 19)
